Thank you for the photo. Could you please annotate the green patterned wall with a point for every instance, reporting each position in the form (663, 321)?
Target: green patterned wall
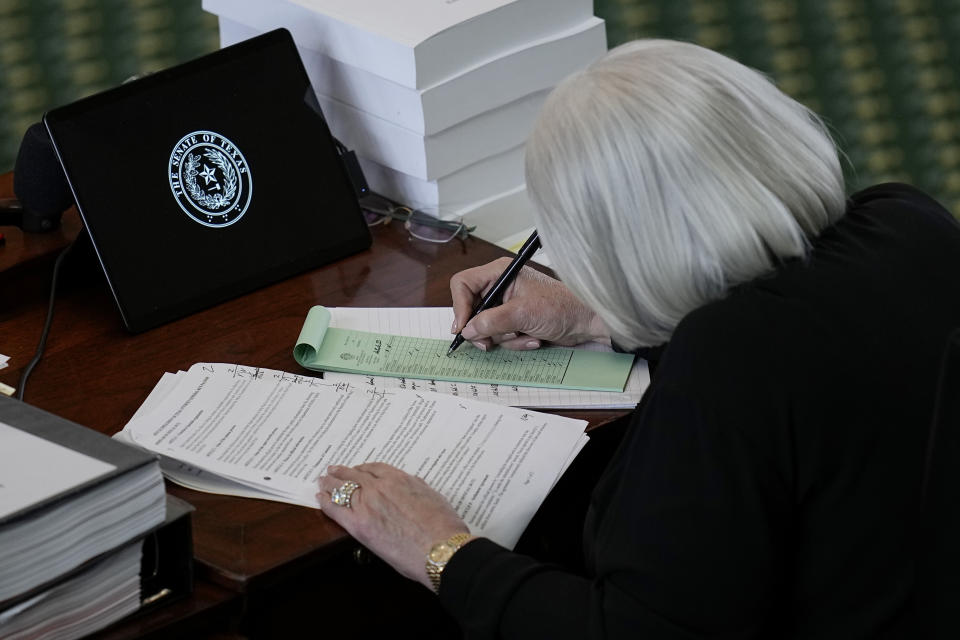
(55, 51)
(883, 73)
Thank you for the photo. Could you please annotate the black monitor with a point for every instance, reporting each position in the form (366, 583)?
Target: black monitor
(208, 180)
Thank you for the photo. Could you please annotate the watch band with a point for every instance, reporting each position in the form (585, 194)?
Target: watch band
(447, 548)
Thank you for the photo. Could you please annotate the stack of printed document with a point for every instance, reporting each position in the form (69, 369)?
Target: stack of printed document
(75, 508)
(436, 97)
(245, 431)
(104, 591)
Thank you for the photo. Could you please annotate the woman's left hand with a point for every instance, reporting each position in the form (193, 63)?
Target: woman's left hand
(394, 514)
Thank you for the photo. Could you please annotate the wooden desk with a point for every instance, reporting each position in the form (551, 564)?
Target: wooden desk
(97, 374)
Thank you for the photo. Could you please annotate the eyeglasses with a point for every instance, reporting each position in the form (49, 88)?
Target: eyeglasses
(419, 224)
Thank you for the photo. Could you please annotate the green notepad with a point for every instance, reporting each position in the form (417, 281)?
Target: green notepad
(324, 348)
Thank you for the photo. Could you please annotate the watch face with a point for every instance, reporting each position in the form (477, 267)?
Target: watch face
(441, 553)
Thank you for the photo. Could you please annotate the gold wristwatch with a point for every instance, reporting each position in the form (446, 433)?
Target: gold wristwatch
(440, 554)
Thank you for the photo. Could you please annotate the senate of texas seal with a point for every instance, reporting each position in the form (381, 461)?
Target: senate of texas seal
(210, 179)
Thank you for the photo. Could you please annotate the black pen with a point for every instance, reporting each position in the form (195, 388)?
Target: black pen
(495, 295)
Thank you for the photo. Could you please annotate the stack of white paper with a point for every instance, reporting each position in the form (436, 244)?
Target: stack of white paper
(268, 434)
(436, 97)
(81, 604)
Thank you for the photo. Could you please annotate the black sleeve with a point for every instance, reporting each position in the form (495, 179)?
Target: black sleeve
(686, 534)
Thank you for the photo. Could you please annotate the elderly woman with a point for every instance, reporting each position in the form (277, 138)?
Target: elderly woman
(767, 484)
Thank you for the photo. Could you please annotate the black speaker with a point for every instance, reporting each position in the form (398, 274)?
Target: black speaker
(39, 184)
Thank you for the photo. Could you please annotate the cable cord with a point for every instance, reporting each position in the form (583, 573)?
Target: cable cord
(46, 325)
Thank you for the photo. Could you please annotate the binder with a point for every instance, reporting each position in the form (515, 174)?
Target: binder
(104, 591)
(166, 569)
(55, 517)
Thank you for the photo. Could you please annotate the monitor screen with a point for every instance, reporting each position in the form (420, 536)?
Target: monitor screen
(207, 180)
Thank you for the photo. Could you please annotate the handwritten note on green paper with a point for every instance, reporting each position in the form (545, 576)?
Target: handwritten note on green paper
(324, 348)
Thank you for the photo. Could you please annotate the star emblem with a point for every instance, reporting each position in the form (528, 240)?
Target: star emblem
(208, 174)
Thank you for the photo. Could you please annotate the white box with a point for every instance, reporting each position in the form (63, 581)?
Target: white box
(456, 191)
(485, 85)
(415, 43)
(432, 157)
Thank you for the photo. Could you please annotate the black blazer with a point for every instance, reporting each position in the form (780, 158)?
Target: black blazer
(769, 483)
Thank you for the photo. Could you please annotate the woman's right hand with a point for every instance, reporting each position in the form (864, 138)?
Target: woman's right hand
(535, 309)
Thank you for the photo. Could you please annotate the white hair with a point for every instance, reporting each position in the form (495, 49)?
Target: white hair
(666, 173)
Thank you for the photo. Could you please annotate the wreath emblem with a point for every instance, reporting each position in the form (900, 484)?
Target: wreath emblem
(206, 200)
(210, 179)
